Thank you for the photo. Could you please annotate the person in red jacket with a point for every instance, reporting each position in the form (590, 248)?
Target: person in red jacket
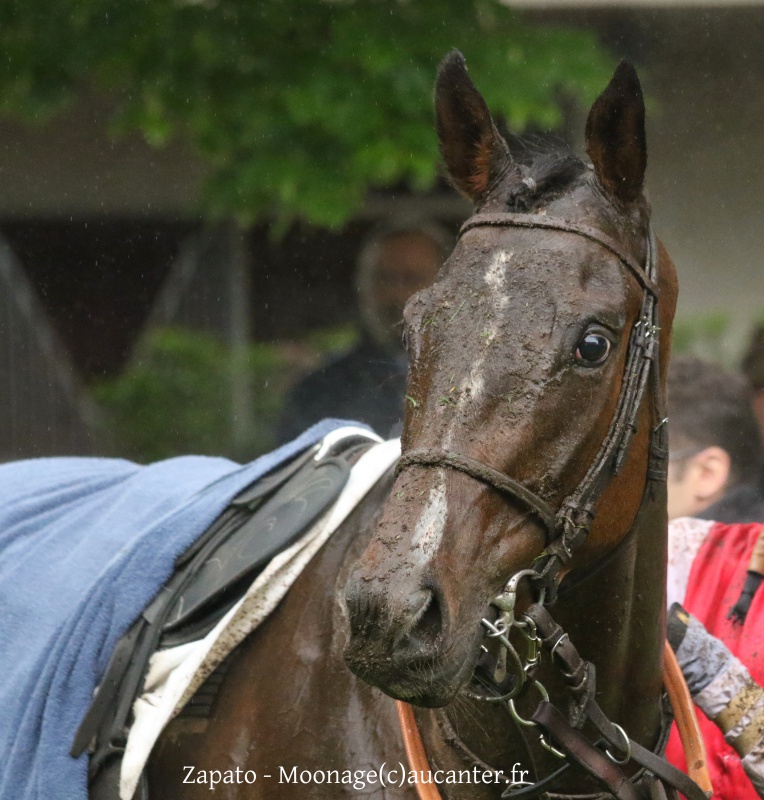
(715, 566)
(724, 690)
(708, 568)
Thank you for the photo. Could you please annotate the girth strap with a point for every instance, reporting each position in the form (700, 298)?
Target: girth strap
(482, 472)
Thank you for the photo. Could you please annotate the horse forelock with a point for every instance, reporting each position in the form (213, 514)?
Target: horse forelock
(541, 178)
(559, 183)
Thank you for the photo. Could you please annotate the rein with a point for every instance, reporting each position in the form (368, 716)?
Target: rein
(566, 529)
(679, 697)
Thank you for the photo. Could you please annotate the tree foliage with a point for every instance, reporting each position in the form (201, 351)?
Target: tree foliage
(175, 396)
(298, 106)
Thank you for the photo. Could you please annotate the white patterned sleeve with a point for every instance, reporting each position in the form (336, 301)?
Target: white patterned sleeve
(685, 536)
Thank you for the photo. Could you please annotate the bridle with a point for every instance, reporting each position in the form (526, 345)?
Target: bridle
(566, 529)
(568, 526)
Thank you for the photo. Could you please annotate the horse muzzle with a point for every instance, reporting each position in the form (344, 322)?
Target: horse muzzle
(401, 642)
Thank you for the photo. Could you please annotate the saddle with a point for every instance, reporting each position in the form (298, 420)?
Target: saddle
(209, 578)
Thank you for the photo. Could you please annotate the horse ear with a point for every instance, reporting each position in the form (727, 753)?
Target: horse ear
(615, 136)
(475, 153)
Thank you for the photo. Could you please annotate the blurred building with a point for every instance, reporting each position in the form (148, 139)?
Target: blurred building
(43, 407)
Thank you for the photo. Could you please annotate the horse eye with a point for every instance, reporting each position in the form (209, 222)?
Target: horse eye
(593, 349)
(405, 338)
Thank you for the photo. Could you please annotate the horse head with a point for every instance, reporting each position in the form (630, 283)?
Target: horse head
(517, 358)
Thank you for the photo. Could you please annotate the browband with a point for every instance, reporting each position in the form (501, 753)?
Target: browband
(507, 220)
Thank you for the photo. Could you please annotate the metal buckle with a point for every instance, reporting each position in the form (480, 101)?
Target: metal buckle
(528, 723)
(627, 748)
(500, 631)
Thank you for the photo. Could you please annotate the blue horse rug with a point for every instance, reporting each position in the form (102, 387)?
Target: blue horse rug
(85, 544)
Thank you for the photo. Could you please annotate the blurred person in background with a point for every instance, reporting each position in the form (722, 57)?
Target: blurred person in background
(715, 458)
(368, 383)
(753, 369)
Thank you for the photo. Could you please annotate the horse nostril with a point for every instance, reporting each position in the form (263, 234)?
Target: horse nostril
(426, 624)
(430, 623)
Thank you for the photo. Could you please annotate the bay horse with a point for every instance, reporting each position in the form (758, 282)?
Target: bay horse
(534, 400)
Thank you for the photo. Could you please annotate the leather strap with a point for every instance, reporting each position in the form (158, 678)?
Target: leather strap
(415, 754)
(482, 472)
(687, 725)
(580, 750)
(585, 707)
(641, 755)
(507, 220)
(686, 721)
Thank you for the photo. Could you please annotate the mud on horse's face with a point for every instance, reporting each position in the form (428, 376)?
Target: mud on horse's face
(516, 355)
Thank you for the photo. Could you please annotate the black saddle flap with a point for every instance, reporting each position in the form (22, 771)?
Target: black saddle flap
(272, 528)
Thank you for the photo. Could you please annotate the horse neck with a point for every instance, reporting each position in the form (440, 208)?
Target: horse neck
(616, 619)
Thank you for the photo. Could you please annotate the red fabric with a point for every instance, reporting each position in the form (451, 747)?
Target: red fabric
(716, 579)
